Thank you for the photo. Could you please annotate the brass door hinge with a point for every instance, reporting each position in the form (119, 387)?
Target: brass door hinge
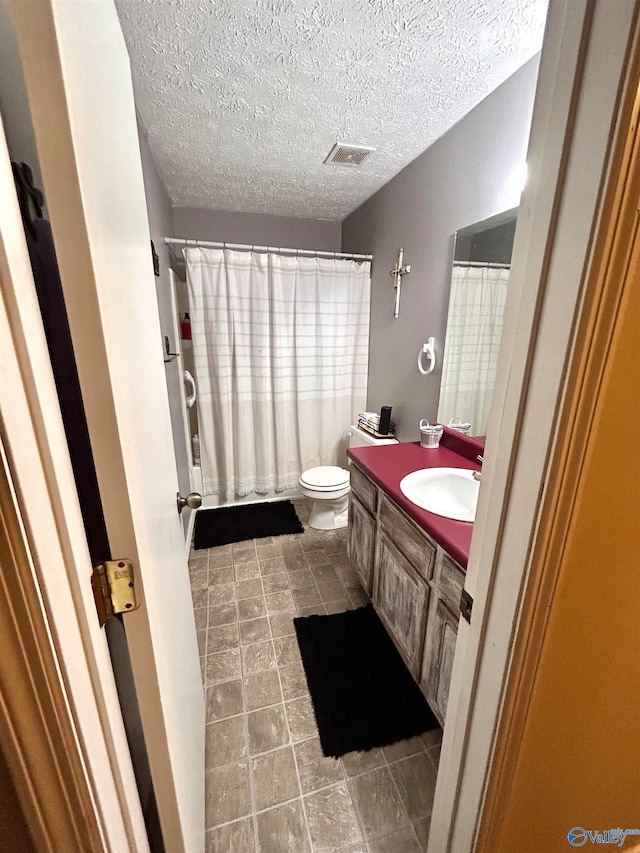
(113, 588)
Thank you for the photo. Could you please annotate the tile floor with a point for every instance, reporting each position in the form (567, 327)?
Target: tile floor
(268, 786)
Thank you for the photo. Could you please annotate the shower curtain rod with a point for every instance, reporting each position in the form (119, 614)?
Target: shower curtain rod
(480, 264)
(245, 247)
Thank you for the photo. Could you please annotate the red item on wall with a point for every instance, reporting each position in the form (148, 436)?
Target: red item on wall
(185, 328)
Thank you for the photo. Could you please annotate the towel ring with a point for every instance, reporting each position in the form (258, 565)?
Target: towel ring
(191, 398)
(428, 349)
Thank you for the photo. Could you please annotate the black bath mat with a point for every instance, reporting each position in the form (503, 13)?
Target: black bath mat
(363, 694)
(247, 521)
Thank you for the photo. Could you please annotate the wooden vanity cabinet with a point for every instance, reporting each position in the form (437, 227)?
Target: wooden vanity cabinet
(414, 585)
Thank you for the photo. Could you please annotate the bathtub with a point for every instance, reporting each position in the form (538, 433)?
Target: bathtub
(214, 501)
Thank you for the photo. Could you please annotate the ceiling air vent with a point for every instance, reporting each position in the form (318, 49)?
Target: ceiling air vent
(347, 155)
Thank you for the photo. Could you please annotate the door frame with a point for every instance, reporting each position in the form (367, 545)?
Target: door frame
(583, 72)
(60, 720)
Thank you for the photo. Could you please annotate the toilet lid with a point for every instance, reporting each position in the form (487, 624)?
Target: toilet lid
(325, 478)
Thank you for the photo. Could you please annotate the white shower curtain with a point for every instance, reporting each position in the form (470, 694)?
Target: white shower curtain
(474, 329)
(281, 352)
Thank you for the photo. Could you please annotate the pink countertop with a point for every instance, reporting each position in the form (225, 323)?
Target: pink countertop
(388, 464)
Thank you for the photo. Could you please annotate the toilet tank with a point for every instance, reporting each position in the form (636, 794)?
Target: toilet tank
(359, 438)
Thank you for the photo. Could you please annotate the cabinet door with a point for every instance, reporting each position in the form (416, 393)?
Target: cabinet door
(438, 663)
(402, 600)
(361, 542)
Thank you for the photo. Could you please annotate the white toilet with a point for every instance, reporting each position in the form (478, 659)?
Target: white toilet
(328, 486)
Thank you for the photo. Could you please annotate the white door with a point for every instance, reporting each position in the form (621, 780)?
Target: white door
(33, 439)
(80, 93)
(180, 344)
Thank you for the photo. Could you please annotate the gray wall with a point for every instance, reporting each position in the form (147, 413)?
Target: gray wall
(465, 176)
(161, 226)
(14, 107)
(494, 246)
(254, 228)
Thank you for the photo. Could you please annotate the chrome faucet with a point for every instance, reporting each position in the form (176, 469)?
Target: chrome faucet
(477, 474)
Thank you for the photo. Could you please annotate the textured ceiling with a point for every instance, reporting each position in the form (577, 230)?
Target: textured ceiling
(243, 99)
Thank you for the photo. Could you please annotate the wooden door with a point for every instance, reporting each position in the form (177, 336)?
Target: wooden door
(78, 81)
(361, 542)
(402, 601)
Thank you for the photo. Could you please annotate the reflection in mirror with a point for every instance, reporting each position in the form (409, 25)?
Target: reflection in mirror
(479, 280)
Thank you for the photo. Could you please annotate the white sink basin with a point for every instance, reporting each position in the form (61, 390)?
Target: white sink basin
(450, 492)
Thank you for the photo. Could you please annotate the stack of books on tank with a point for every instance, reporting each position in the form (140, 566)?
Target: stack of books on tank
(370, 421)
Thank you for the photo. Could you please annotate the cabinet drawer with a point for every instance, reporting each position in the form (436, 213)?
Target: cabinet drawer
(364, 490)
(414, 543)
(450, 582)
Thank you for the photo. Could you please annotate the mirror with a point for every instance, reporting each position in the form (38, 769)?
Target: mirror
(479, 281)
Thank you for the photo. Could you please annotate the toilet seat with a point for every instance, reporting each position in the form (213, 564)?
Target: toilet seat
(325, 478)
